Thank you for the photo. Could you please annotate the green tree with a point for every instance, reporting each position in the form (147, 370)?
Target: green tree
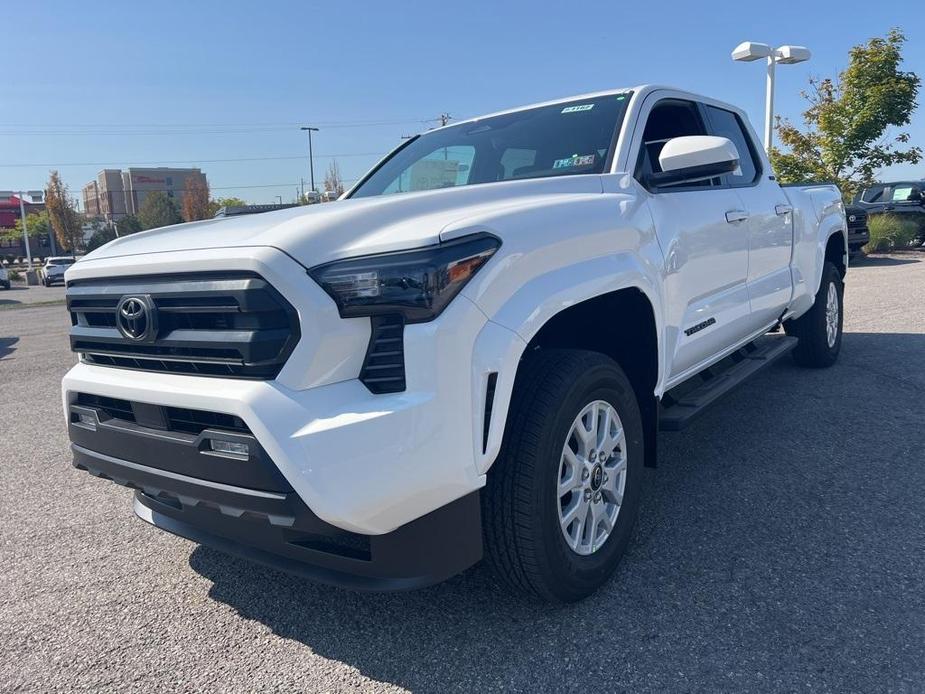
(103, 235)
(129, 224)
(62, 215)
(846, 136)
(216, 204)
(37, 226)
(157, 210)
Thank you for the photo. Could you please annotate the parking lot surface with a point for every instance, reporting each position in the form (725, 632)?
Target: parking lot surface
(781, 547)
(20, 295)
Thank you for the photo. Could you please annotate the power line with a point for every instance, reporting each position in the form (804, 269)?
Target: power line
(193, 160)
(174, 130)
(278, 124)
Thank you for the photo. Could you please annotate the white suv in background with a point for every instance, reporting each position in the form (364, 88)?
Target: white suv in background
(53, 269)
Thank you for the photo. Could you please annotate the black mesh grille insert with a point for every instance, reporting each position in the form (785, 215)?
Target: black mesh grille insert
(112, 408)
(207, 324)
(384, 367)
(195, 421)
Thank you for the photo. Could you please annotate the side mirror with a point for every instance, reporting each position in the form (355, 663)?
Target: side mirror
(694, 158)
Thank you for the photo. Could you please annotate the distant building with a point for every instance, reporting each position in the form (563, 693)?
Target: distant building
(115, 194)
(9, 214)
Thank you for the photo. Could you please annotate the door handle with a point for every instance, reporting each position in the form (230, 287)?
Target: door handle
(783, 209)
(733, 216)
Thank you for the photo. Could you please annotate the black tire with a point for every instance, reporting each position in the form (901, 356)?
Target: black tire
(524, 543)
(813, 349)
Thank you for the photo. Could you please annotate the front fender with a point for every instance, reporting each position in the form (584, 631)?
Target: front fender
(503, 340)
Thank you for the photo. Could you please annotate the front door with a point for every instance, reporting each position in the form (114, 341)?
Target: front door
(702, 229)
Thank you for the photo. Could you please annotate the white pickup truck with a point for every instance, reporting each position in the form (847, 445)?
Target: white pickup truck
(468, 355)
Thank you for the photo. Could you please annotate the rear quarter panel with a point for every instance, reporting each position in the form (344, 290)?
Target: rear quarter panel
(818, 213)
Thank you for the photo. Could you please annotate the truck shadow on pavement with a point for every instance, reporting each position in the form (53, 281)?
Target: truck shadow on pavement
(774, 551)
(7, 346)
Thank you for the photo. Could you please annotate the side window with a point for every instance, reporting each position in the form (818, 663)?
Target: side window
(727, 124)
(445, 167)
(874, 194)
(668, 118)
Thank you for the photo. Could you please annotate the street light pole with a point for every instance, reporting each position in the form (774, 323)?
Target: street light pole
(785, 55)
(311, 158)
(769, 104)
(25, 234)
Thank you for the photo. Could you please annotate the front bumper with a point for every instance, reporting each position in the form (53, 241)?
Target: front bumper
(266, 521)
(858, 236)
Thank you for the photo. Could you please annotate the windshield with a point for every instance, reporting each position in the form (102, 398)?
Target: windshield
(564, 139)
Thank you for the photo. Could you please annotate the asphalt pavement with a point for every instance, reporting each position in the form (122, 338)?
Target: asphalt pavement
(780, 547)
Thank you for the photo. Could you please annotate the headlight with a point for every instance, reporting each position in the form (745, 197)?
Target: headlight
(416, 284)
(852, 218)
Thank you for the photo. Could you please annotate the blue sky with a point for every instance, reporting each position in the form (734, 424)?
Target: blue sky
(120, 83)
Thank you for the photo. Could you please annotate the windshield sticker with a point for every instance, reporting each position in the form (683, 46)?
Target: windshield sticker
(575, 109)
(573, 160)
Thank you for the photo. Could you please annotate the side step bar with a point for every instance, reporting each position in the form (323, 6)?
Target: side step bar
(679, 410)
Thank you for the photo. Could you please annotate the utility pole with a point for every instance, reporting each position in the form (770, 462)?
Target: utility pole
(302, 187)
(311, 159)
(444, 118)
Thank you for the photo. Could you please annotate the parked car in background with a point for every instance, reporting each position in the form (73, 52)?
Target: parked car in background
(4, 277)
(53, 269)
(901, 198)
(858, 233)
(470, 352)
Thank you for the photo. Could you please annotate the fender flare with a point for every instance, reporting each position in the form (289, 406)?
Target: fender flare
(503, 340)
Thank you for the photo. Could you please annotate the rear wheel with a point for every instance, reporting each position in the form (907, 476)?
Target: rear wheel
(819, 330)
(562, 498)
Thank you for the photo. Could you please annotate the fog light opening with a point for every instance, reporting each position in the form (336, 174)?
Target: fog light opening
(229, 447)
(82, 419)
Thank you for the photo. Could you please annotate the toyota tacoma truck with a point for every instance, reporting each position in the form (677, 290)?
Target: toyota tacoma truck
(468, 356)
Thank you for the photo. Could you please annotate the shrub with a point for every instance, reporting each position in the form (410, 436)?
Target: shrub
(889, 231)
(15, 275)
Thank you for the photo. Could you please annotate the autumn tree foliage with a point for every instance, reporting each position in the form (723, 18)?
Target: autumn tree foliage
(64, 218)
(196, 199)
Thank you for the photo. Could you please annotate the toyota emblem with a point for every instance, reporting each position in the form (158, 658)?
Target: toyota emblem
(135, 318)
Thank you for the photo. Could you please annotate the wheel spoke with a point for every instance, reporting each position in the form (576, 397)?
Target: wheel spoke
(613, 496)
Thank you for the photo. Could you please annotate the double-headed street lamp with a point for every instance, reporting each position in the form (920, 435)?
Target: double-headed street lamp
(311, 161)
(783, 55)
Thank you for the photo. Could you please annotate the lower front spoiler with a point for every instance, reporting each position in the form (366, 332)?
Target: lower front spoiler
(281, 532)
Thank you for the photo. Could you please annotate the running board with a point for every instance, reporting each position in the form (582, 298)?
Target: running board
(679, 410)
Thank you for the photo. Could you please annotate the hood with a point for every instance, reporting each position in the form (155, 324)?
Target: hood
(317, 234)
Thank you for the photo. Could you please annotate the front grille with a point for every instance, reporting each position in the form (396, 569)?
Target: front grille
(208, 324)
(384, 367)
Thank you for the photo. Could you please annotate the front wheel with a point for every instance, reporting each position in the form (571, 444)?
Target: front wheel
(562, 498)
(819, 330)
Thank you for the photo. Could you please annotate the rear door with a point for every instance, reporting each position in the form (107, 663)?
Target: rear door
(703, 235)
(769, 224)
